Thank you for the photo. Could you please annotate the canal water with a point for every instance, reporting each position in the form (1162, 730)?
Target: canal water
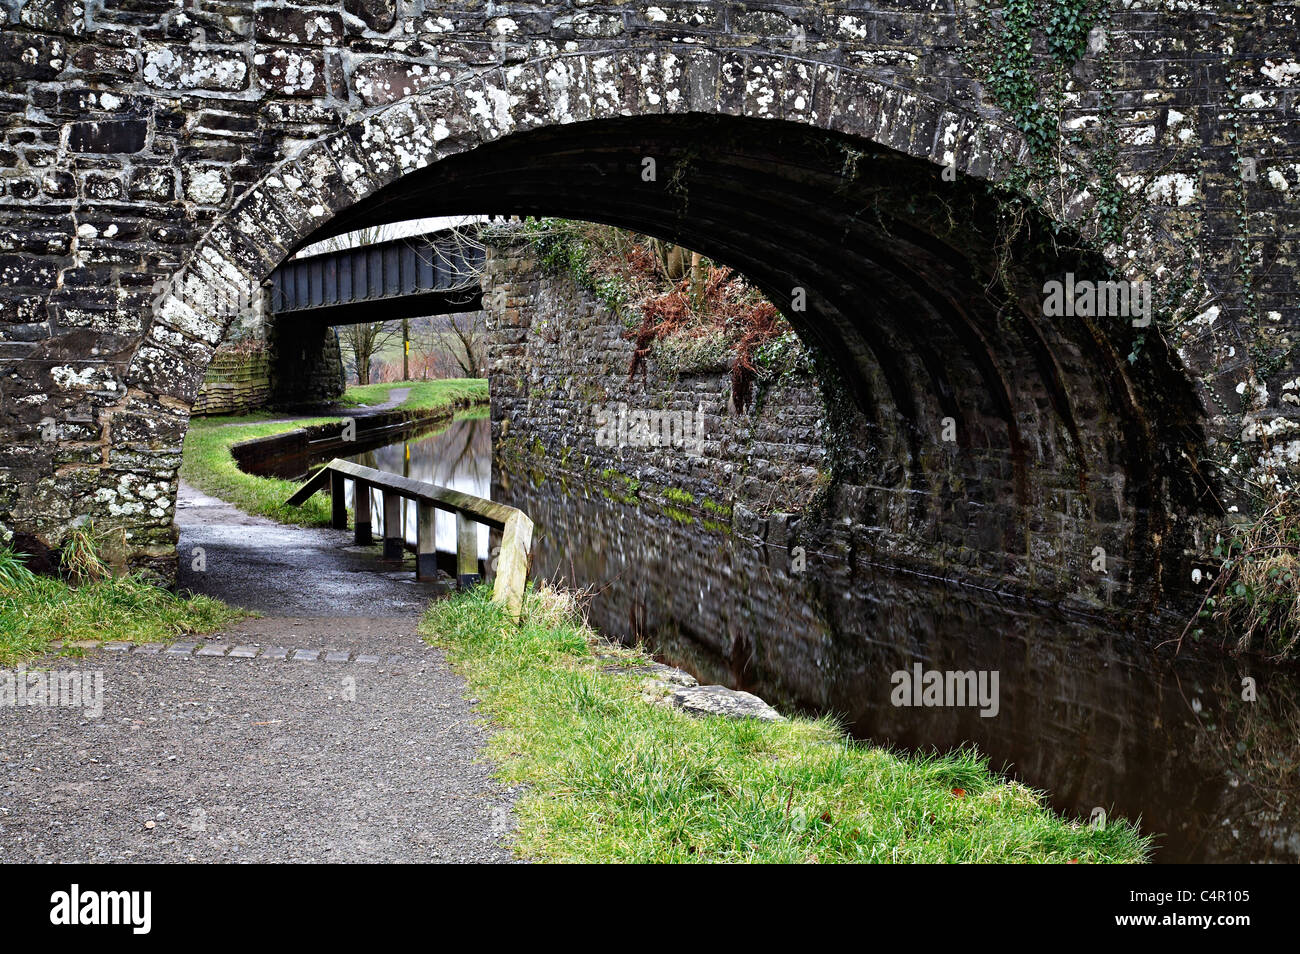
(457, 455)
(1084, 712)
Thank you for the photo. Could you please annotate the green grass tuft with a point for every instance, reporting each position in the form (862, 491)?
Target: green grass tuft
(610, 777)
(14, 574)
(36, 610)
(80, 560)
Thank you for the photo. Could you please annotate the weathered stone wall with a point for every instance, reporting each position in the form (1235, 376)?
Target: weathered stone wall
(306, 364)
(559, 368)
(147, 141)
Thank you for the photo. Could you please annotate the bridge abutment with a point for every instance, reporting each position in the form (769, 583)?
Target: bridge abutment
(306, 364)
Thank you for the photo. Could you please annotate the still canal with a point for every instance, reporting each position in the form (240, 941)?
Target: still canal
(1086, 713)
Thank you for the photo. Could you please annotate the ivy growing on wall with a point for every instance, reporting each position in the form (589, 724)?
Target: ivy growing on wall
(1067, 25)
(564, 247)
(1024, 87)
(1025, 51)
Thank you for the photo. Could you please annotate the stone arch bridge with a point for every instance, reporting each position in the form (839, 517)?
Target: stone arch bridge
(861, 158)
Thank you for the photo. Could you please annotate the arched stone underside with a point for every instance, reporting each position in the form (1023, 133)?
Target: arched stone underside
(1062, 445)
(794, 164)
(1057, 449)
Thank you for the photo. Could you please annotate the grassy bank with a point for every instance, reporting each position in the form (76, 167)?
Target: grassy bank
(208, 465)
(610, 777)
(36, 610)
(425, 395)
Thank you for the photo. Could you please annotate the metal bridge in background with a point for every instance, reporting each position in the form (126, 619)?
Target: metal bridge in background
(432, 274)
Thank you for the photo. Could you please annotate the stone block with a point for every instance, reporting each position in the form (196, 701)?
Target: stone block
(183, 68)
(113, 136)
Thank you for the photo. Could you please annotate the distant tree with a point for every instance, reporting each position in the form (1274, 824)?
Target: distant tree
(467, 342)
(364, 341)
(426, 347)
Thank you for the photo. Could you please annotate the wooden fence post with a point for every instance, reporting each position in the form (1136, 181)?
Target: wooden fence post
(511, 567)
(338, 501)
(467, 574)
(426, 544)
(392, 525)
(512, 564)
(361, 504)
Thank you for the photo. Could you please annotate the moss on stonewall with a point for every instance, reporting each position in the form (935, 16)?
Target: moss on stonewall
(678, 496)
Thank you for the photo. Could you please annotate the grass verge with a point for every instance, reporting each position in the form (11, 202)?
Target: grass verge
(425, 395)
(208, 465)
(36, 610)
(611, 777)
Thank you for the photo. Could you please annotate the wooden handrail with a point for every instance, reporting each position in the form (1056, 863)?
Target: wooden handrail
(516, 527)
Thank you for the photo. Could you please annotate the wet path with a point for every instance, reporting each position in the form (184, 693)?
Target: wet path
(281, 570)
(324, 731)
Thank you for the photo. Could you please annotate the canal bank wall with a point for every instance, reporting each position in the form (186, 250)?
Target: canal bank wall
(799, 470)
(561, 392)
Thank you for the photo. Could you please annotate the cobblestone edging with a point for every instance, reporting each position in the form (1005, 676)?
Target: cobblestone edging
(661, 684)
(202, 649)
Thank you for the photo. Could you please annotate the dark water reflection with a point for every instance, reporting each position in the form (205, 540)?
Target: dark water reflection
(1085, 712)
(456, 455)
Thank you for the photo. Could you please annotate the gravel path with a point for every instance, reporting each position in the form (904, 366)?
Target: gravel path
(208, 756)
(396, 398)
(281, 570)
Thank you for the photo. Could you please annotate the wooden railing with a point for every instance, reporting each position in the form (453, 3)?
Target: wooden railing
(516, 529)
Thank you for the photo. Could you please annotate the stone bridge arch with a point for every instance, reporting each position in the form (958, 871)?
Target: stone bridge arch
(572, 134)
(245, 132)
